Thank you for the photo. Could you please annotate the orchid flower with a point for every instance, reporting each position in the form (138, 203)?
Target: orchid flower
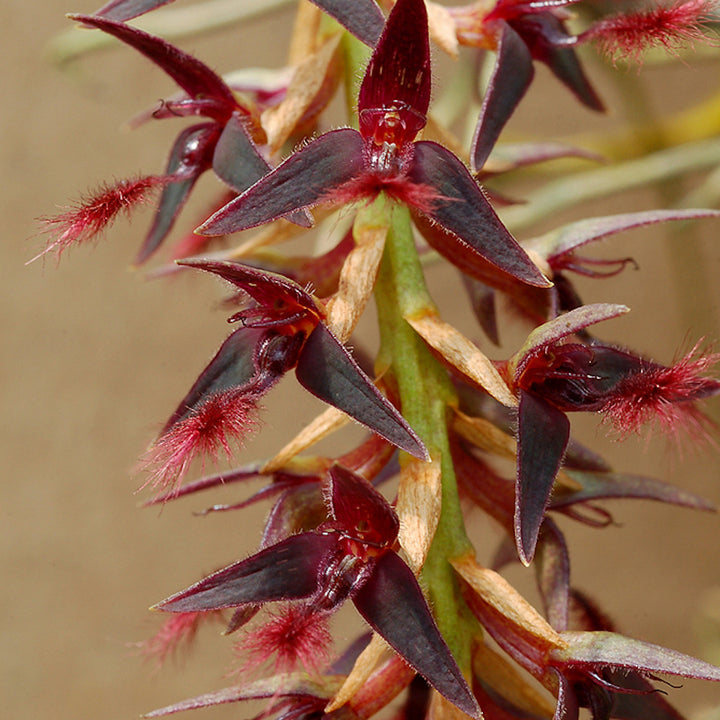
(552, 376)
(345, 165)
(350, 556)
(283, 331)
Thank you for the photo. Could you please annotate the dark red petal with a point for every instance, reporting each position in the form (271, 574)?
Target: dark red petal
(553, 573)
(301, 181)
(398, 74)
(266, 288)
(193, 76)
(543, 433)
(362, 18)
(189, 158)
(510, 80)
(567, 238)
(393, 605)
(359, 510)
(541, 33)
(121, 10)
(238, 162)
(467, 214)
(286, 571)
(328, 371)
(232, 366)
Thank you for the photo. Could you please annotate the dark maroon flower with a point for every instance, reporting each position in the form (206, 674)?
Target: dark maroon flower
(281, 331)
(350, 556)
(226, 143)
(346, 165)
(552, 376)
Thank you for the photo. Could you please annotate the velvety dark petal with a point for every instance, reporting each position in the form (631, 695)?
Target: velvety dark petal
(266, 288)
(398, 74)
(541, 32)
(607, 649)
(359, 510)
(467, 214)
(328, 371)
(511, 156)
(393, 605)
(301, 181)
(194, 77)
(189, 158)
(232, 366)
(121, 10)
(543, 433)
(511, 78)
(237, 160)
(286, 571)
(553, 573)
(362, 18)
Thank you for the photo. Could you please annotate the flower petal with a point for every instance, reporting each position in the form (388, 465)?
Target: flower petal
(560, 327)
(286, 571)
(393, 605)
(602, 485)
(299, 182)
(295, 685)
(189, 158)
(510, 80)
(193, 76)
(543, 433)
(542, 33)
(360, 511)
(328, 371)
(463, 210)
(362, 18)
(398, 74)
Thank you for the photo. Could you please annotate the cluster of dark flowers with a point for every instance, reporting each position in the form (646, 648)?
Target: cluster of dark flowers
(437, 411)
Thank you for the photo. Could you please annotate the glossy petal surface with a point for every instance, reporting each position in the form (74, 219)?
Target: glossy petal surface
(393, 605)
(510, 80)
(466, 212)
(543, 433)
(328, 371)
(286, 571)
(300, 181)
(398, 74)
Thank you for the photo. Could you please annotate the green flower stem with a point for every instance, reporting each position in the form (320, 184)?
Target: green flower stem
(425, 393)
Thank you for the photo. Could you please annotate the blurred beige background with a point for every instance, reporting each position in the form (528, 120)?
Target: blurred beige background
(94, 358)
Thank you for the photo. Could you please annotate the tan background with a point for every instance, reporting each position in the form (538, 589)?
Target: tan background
(94, 358)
